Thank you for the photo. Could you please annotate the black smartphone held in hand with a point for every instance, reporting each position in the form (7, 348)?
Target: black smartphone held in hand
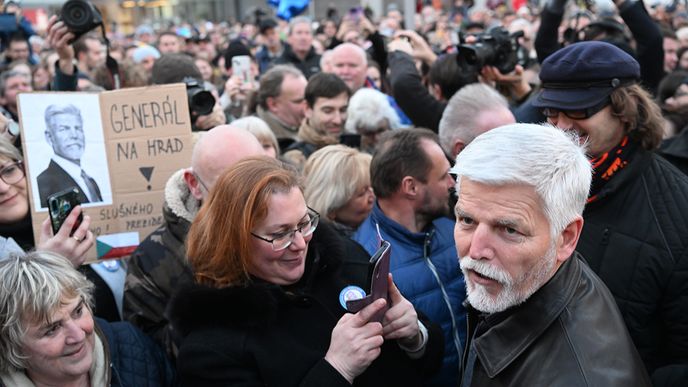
(60, 204)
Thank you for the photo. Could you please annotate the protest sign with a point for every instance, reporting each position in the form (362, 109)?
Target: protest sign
(118, 148)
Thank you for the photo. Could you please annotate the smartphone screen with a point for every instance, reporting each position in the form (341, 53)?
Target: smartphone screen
(241, 67)
(60, 204)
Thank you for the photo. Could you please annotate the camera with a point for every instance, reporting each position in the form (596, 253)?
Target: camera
(80, 16)
(201, 101)
(496, 47)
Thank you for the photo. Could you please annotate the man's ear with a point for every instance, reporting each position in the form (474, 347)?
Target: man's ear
(193, 184)
(457, 148)
(409, 187)
(48, 137)
(437, 92)
(568, 239)
(270, 101)
(308, 112)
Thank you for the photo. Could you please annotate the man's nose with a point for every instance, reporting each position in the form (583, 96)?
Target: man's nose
(480, 244)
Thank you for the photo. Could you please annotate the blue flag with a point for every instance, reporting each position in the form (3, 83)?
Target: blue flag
(286, 9)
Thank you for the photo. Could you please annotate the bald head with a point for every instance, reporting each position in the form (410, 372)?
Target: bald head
(350, 63)
(217, 150)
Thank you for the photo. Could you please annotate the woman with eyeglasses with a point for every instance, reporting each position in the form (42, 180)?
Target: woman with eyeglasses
(266, 308)
(17, 236)
(15, 218)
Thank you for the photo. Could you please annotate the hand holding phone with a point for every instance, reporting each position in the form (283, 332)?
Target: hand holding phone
(241, 67)
(60, 204)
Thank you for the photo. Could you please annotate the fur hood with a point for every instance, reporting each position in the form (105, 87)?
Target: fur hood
(178, 197)
(256, 304)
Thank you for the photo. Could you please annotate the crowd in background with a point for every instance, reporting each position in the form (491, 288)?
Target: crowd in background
(366, 115)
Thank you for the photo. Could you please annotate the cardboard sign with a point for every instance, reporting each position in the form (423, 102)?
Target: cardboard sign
(118, 148)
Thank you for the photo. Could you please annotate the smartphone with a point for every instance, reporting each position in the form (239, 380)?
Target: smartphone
(241, 66)
(378, 283)
(351, 140)
(355, 14)
(60, 204)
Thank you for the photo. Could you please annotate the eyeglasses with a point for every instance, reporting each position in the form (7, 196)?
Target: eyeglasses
(12, 173)
(580, 114)
(201, 181)
(282, 240)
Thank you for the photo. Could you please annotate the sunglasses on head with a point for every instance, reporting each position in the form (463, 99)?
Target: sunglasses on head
(578, 114)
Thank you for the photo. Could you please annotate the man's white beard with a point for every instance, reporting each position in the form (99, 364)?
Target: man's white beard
(514, 291)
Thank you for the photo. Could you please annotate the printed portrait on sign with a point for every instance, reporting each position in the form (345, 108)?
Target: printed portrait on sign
(65, 147)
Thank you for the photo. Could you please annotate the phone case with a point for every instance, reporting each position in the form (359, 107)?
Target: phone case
(60, 204)
(378, 283)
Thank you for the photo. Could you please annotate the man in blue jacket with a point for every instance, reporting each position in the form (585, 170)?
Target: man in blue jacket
(410, 176)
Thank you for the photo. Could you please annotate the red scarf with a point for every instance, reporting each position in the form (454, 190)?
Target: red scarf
(608, 165)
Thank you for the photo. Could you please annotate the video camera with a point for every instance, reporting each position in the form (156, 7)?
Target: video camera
(496, 47)
(80, 17)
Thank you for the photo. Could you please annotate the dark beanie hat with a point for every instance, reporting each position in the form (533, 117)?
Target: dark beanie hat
(235, 48)
(583, 74)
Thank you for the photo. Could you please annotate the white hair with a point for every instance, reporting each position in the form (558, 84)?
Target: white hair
(682, 34)
(459, 118)
(368, 108)
(542, 156)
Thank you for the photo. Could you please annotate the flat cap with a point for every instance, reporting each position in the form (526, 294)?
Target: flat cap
(583, 74)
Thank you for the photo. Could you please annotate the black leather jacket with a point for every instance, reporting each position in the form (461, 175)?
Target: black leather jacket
(569, 333)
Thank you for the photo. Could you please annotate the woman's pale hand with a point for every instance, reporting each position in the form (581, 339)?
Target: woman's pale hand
(73, 247)
(401, 320)
(356, 342)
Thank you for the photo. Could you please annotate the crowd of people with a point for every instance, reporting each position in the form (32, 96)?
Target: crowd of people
(527, 165)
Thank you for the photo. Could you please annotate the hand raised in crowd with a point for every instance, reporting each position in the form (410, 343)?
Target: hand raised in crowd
(215, 118)
(514, 81)
(59, 38)
(401, 320)
(421, 48)
(237, 89)
(356, 342)
(72, 247)
(366, 26)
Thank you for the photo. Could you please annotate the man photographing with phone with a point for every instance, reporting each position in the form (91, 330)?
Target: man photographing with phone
(64, 132)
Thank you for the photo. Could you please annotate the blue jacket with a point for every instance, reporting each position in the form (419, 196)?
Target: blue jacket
(135, 360)
(426, 270)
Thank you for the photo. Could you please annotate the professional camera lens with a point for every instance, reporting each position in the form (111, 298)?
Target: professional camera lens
(80, 16)
(203, 102)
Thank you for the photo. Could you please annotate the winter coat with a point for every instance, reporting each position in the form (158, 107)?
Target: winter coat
(266, 335)
(159, 267)
(134, 359)
(568, 333)
(308, 66)
(635, 238)
(426, 270)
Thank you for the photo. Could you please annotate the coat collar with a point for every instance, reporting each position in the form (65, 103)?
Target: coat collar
(504, 342)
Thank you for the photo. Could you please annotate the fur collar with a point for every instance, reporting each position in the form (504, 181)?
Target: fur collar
(178, 197)
(256, 304)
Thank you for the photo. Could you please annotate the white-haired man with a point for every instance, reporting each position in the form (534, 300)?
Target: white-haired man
(538, 315)
(472, 111)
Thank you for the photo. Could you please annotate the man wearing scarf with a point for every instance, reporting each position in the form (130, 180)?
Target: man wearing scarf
(635, 235)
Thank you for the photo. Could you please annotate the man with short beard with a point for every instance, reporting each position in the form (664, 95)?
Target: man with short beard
(537, 314)
(409, 174)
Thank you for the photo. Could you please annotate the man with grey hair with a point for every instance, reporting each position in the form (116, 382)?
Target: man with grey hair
(65, 133)
(158, 267)
(472, 111)
(299, 49)
(538, 315)
(281, 102)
